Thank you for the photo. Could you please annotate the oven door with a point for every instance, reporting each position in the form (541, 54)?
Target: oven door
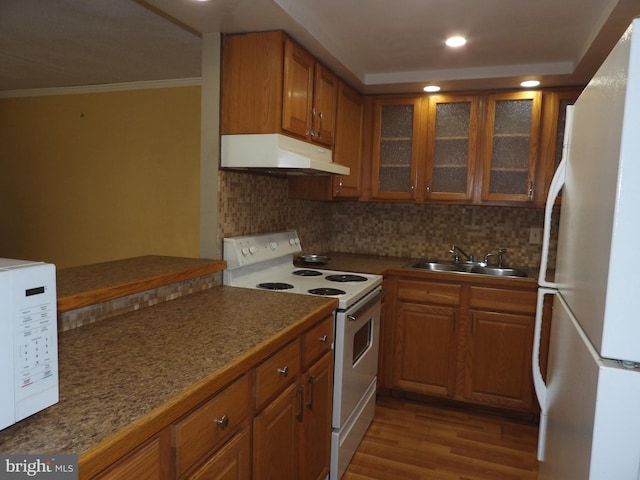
(356, 354)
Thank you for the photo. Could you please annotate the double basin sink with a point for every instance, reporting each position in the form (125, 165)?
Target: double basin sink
(468, 267)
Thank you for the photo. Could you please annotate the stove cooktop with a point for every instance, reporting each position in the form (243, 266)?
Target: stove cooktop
(266, 262)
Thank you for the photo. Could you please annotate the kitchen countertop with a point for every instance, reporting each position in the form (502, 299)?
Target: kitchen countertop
(359, 263)
(120, 375)
(89, 284)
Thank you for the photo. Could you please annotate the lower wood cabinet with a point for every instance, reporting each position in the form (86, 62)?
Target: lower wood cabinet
(147, 462)
(498, 366)
(231, 462)
(426, 340)
(315, 441)
(292, 434)
(275, 436)
(467, 341)
(210, 425)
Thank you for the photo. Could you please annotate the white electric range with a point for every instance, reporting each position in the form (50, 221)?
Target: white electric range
(266, 261)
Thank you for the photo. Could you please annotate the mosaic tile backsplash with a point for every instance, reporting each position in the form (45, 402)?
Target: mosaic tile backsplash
(259, 203)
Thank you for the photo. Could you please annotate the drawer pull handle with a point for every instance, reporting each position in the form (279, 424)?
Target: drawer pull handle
(323, 339)
(300, 396)
(312, 382)
(283, 371)
(223, 422)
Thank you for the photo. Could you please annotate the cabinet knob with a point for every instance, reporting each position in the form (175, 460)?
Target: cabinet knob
(323, 339)
(284, 371)
(222, 422)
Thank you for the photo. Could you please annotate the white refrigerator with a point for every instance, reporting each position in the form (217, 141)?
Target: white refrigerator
(590, 397)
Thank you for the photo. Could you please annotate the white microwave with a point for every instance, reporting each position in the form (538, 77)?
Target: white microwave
(28, 339)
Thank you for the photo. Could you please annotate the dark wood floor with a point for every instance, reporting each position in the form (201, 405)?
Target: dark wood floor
(410, 440)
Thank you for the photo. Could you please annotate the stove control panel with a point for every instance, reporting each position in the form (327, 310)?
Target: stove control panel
(252, 249)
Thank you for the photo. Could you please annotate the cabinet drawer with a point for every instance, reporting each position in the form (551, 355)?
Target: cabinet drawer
(429, 292)
(317, 340)
(277, 372)
(503, 300)
(209, 425)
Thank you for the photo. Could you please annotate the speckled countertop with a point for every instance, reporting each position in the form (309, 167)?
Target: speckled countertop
(90, 284)
(124, 369)
(358, 263)
(73, 280)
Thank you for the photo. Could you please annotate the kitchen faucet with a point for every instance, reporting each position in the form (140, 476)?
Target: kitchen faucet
(501, 251)
(456, 252)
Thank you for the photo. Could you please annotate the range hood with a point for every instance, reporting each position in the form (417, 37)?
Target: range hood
(277, 153)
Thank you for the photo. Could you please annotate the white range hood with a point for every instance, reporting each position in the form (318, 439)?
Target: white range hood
(277, 153)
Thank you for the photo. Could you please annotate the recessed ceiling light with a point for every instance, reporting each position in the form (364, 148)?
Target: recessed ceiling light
(456, 41)
(530, 83)
(431, 88)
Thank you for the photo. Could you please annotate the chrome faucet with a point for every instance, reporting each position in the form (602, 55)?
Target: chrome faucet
(501, 252)
(456, 252)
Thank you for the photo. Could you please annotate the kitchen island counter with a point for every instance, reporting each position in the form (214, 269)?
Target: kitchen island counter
(124, 379)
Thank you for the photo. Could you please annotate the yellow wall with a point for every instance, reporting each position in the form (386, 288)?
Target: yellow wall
(86, 178)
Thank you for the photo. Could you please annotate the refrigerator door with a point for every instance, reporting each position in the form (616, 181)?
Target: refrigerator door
(599, 226)
(593, 427)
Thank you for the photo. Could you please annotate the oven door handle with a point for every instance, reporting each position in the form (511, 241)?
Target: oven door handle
(354, 316)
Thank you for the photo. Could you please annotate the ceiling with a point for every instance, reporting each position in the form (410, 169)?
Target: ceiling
(379, 46)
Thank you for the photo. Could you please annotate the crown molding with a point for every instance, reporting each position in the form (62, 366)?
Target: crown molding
(108, 87)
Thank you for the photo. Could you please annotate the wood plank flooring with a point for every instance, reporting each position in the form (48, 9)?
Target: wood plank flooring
(413, 441)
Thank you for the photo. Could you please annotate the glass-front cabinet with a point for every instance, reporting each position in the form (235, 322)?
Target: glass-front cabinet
(465, 148)
(451, 147)
(396, 147)
(512, 132)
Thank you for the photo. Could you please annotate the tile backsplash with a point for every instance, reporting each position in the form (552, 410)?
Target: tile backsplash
(259, 203)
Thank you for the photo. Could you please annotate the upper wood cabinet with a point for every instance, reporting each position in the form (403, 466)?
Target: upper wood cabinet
(347, 150)
(310, 95)
(451, 147)
(348, 142)
(510, 146)
(469, 149)
(397, 147)
(272, 85)
(553, 123)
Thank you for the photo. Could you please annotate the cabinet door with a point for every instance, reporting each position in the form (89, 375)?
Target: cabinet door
(276, 433)
(425, 354)
(512, 131)
(323, 112)
(554, 118)
(452, 143)
(231, 462)
(297, 89)
(348, 142)
(396, 148)
(148, 462)
(316, 432)
(498, 367)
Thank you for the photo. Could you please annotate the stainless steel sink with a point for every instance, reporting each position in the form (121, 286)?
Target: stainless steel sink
(505, 272)
(467, 267)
